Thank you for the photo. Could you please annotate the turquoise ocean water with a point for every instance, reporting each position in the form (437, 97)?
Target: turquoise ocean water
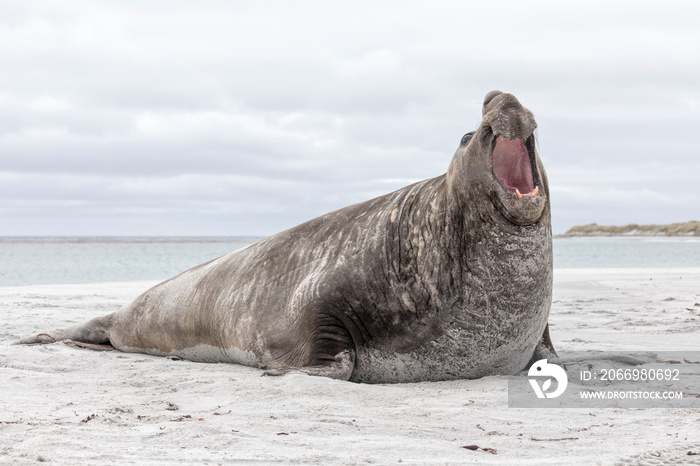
(39, 261)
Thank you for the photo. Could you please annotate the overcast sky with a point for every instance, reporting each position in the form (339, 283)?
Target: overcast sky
(244, 118)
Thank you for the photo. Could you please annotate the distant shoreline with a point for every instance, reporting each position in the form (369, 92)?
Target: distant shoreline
(686, 229)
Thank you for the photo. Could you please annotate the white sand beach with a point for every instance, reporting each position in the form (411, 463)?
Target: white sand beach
(67, 405)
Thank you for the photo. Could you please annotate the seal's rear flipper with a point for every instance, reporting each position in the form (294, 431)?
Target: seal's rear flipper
(544, 349)
(91, 346)
(341, 368)
(93, 334)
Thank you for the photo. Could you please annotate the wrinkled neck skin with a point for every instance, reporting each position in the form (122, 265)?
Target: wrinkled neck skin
(505, 240)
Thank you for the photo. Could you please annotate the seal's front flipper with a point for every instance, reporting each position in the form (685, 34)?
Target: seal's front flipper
(340, 368)
(93, 334)
(544, 349)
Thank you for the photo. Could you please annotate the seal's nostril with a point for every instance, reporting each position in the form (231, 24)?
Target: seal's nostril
(489, 97)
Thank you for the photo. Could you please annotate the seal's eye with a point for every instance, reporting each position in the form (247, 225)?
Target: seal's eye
(466, 138)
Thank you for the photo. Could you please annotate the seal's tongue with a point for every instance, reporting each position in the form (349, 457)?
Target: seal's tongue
(511, 164)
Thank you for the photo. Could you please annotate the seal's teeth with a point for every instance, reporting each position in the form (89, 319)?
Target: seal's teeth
(535, 191)
(517, 194)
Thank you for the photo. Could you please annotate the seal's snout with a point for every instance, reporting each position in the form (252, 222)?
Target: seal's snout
(507, 117)
(490, 96)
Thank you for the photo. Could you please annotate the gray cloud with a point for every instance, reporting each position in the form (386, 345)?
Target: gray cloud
(226, 118)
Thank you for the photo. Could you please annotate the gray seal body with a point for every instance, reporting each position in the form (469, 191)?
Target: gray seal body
(447, 278)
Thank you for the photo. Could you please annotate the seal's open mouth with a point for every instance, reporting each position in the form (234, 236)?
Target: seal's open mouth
(513, 167)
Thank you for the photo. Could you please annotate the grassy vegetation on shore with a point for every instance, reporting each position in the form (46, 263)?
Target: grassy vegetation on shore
(691, 228)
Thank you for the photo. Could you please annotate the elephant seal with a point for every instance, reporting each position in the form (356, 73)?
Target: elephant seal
(447, 278)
